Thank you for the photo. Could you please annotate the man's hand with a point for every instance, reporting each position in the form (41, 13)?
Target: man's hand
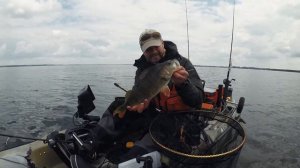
(140, 107)
(180, 76)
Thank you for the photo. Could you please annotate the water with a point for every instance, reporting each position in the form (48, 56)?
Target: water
(36, 100)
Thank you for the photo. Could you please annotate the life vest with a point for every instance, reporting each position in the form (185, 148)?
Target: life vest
(175, 103)
(171, 103)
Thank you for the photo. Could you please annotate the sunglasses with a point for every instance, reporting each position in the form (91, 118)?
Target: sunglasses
(154, 35)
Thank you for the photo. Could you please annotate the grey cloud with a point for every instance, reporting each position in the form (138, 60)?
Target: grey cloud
(27, 49)
(211, 2)
(98, 42)
(79, 31)
(79, 49)
(295, 55)
(259, 29)
(66, 4)
(292, 11)
(3, 48)
(212, 9)
(34, 51)
(67, 20)
(258, 48)
(283, 50)
(19, 9)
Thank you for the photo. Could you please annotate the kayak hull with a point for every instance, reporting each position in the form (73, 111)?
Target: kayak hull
(36, 152)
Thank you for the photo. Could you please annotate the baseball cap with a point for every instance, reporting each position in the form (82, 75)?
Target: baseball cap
(149, 38)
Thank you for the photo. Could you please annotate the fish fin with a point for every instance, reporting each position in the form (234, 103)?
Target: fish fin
(165, 91)
(120, 111)
(165, 74)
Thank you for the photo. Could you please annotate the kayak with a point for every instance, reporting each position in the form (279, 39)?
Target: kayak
(36, 152)
(222, 135)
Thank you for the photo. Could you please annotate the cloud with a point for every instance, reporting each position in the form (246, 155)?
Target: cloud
(98, 31)
(31, 8)
(2, 50)
(291, 10)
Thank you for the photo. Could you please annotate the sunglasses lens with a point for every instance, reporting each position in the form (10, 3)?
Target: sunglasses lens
(155, 35)
(146, 37)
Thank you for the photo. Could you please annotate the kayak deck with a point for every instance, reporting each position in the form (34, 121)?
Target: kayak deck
(40, 154)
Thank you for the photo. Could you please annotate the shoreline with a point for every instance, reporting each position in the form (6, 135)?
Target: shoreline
(237, 67)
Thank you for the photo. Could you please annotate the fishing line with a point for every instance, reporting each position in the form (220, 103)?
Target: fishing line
(25, 165)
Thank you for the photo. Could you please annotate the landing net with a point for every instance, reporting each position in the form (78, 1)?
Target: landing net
(198, 139)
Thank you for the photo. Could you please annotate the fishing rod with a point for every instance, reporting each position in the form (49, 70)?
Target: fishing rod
(21, 137)
(187, 29)
(120, 87)
(227, 81)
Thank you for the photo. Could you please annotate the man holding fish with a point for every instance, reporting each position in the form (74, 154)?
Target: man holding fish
(185, 85)
(164, 81)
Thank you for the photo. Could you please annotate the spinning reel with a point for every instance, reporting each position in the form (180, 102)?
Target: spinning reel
(80, 141)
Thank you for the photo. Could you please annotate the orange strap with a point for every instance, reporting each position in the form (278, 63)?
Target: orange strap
(171, 103)
(175, 103)
(207, 106)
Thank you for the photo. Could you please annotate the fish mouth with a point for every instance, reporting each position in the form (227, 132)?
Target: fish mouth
(175, 64)
(170, 67)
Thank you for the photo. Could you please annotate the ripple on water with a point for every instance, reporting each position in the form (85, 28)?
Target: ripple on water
(11, 122)
(271, 109)
(276, 162)
(31, 127)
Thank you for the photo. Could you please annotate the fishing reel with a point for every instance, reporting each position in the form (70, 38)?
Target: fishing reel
(77, 145)
(227, 88)
(82, 142)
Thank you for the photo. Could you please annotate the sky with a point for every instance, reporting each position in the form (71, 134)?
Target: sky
(266, 35)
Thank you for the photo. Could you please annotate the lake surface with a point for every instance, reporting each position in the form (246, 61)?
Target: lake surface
(35, 100)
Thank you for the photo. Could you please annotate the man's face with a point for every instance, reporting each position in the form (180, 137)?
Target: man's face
(155, 53)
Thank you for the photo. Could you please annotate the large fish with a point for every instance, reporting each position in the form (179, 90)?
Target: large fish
(151, 81)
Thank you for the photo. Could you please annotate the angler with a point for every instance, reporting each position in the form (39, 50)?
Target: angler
(163, 74)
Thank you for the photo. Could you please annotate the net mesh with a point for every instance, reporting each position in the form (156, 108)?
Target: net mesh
(198, 138)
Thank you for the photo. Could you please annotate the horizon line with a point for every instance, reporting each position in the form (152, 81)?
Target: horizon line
(217, 66)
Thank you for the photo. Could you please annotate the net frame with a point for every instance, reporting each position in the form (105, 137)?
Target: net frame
(203, 158)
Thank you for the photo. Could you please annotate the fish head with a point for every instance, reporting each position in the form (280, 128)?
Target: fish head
(169, 67)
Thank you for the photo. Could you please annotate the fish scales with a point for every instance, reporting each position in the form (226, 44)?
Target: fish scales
(149, 84)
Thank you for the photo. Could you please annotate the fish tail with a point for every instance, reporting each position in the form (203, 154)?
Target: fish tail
(120, 111)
